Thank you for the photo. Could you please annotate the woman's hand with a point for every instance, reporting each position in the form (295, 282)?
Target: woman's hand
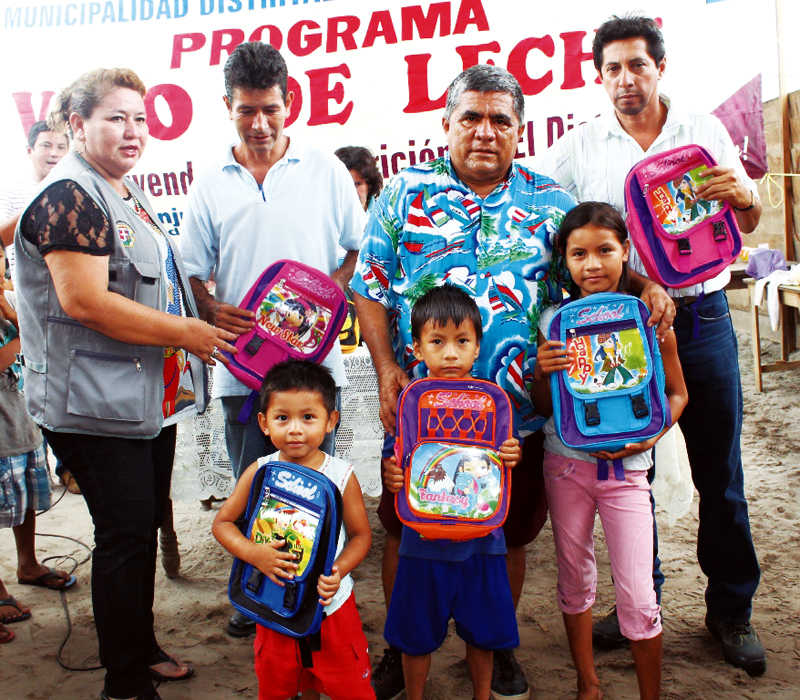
(550, 357)
(328, 585)
(510, 452)
(205, 341)
(274, 563)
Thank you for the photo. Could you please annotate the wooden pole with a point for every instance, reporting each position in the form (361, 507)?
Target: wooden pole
(786, 139)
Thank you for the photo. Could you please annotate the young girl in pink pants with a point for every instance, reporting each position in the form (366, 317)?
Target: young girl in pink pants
(593, 242)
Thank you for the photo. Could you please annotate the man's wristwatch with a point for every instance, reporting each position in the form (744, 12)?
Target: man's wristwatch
(749, 206)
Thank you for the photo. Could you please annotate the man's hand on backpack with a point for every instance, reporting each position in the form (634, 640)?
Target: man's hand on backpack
(510, 452)
(232, 318)
(328, 585)
(392, 475)
(721, 183)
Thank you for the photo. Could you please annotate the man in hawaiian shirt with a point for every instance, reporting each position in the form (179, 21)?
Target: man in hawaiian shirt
(469, 219)
(472, 219)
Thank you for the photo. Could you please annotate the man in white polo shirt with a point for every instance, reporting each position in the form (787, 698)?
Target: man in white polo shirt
(267, 199)
(591, 162)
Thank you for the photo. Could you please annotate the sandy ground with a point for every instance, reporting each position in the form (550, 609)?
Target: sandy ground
(191, 610)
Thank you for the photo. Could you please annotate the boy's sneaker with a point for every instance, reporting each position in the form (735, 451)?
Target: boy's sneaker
(605, 632)
(741, 646)
(387, 678)
(508, 680)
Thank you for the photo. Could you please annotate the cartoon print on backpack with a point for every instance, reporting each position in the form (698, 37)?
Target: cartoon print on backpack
(299, 322)
(297, 528)
(676, 204)
(606, 360)
(456, 481)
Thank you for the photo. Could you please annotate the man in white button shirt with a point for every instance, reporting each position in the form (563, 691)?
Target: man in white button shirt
(268, 198)
(591, 162)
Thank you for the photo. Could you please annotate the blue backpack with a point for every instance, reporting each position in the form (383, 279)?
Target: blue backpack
(613, 392)
(304, 508)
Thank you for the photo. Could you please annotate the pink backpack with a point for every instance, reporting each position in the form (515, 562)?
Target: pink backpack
(299, 313)
(681, 239)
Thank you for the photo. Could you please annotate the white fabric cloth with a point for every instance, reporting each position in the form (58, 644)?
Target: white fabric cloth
(772, 282)
(235, 228)
(592, 161)
(13, 198)
(338, 471)
(202, 468)
(554, 444)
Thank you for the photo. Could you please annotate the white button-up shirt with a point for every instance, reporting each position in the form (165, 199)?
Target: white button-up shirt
(304, 210)
(592, 161)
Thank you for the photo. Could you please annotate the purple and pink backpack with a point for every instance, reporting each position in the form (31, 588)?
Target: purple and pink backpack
(681, 239)
(299, 313)
(448, 435)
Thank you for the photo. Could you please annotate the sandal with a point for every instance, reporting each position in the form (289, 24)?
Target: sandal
(6, 635)
(51, 579)
(161, 657)
(11, 602)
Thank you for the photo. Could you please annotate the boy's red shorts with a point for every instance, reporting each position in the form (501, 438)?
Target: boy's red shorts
(341, 668)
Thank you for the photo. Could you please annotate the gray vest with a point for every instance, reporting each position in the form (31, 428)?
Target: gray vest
(78, 380)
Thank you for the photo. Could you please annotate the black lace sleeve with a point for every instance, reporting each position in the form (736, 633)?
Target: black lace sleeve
(65, 217)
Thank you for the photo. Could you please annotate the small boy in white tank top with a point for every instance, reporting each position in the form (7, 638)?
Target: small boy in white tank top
(298, 401)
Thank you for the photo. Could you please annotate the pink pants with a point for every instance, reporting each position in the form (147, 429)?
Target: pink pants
(574, 494)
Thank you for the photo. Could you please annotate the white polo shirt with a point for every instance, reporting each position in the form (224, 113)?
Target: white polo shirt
(592, 161)
(305, 208)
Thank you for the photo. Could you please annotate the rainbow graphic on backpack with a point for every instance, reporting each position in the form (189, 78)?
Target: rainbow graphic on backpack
(613, 391)
(448, 435)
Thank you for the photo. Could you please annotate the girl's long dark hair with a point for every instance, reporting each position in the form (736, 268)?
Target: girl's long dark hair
(599, 214)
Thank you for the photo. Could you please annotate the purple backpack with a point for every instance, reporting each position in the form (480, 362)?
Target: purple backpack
(448, 433)
(299, 313)
(613, 391)
(681, 239)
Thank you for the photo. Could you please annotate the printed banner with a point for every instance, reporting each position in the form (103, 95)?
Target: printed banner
(371, 74)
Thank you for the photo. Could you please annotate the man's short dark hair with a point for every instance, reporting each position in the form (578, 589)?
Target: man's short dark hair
(485, 78)
(444, 304)
(628, 27)
(36, 129)
(255, 66)
(299, 375)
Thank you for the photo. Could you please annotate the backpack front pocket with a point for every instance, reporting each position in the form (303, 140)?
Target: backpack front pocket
(454, 481)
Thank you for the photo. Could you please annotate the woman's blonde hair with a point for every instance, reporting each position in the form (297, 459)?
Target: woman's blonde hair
(88, 91)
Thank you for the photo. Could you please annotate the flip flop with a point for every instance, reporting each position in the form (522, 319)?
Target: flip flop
(51, 579)
(161, 657)
(12, 602)
(6, 635)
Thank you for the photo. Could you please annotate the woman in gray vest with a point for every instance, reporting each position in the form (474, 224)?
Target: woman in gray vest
(114, 355)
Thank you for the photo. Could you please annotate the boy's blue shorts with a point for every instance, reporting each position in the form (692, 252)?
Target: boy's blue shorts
(474, 592)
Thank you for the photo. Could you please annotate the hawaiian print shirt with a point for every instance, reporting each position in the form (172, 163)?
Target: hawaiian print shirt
(428, 228)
